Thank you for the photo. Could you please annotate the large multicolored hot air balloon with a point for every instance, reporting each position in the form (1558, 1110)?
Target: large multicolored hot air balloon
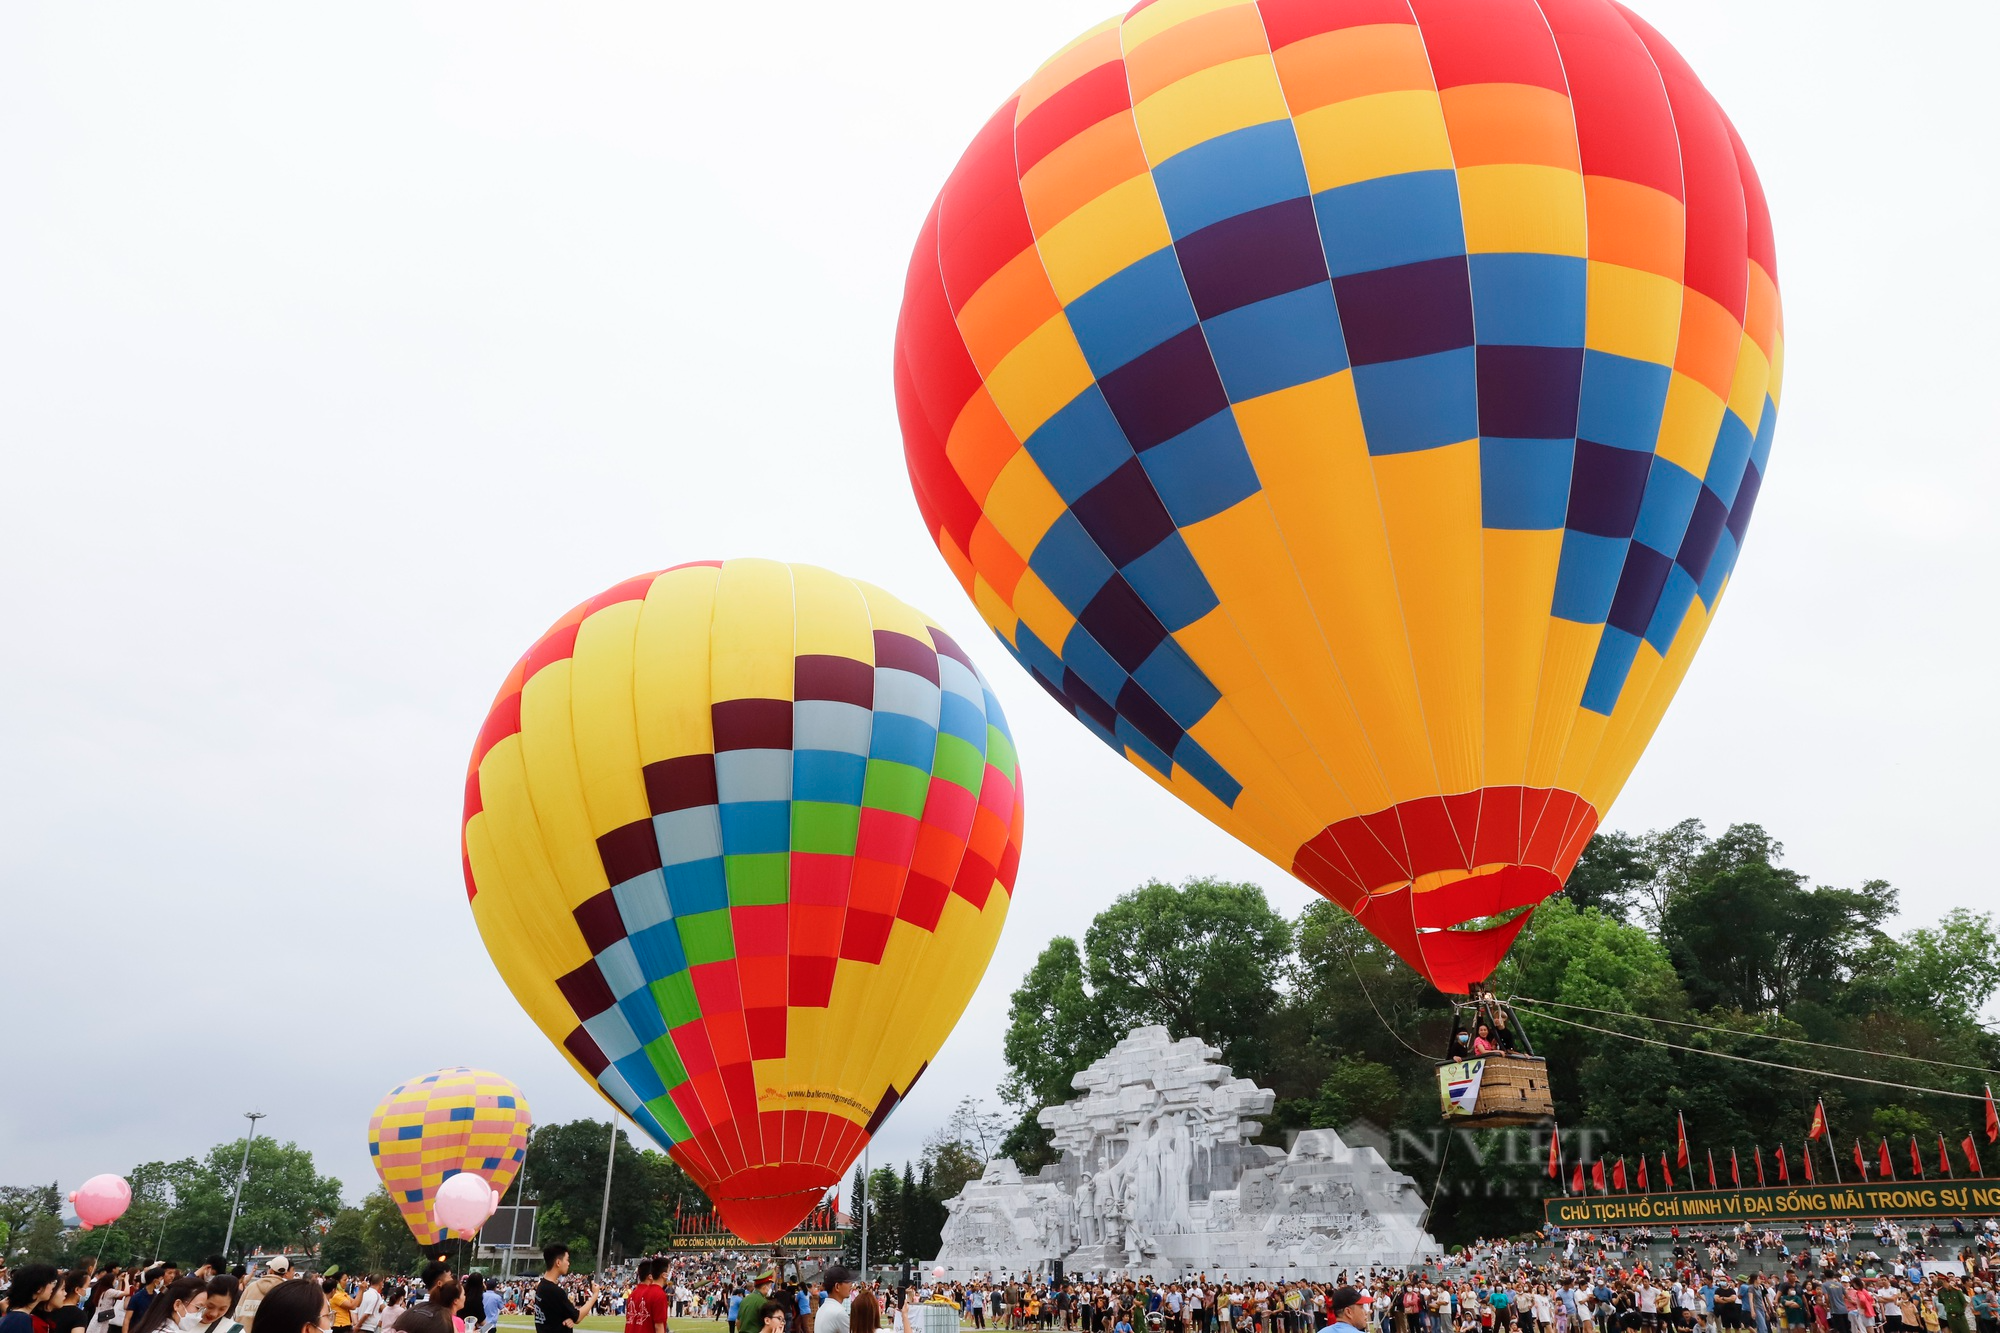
(740, 836)
(437, 1125)
(1351, 411)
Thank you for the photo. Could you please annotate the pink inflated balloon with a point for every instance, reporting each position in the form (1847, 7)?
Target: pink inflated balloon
(101, 1199)
(463, 1203)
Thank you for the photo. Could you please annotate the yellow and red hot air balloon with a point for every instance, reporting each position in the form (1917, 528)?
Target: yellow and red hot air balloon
(1351, 411)
(740, 837)
(437, 1125)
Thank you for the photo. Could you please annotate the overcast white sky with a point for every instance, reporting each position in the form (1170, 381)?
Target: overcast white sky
(344, 347)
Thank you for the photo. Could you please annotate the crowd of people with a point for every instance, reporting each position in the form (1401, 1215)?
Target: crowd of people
(1825, 1279)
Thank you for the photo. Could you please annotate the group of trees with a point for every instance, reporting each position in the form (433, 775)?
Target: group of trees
(1673, 925)
(181, 1209)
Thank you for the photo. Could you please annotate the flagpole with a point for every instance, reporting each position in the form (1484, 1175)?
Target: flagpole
(1826, 1132)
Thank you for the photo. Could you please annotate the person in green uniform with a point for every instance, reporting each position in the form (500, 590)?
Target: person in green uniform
(1951, 1300)
(750, 1317)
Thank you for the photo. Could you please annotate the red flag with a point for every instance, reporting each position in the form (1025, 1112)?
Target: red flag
(1713, 1183)
(1806, 1152)
(1944, 1159)
(1888, 1167)
(1916, 1159)
(1992, 1117)
(1760, 1166)
(1555, 1156)
(1666, 1173)
(1860, 1162)
(1681, 1130)
(1735, 1170)
(1784, 1173)
(1576, 1180)
(1597, 1173)
(1618, 1176)
(1972, 1156)
(1817, 1130)
(1644, 1188)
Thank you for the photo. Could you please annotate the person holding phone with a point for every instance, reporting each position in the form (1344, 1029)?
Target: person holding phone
(554, 1311)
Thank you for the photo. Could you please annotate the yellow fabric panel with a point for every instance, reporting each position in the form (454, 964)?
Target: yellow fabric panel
(1753, 377)
(1608, 777)
(555, 788)
(1230, 96)
(1565, 667)
(1431, 511)
(1040, 376)
(1116, 229)
(880, 1049)
(1585, 735)
(750, 639)
(671, 696)
(1516, 208)
(1269, 814)
(938, 986)
(831, 616)
(607, 742)
(1619, 735)
(891, 613)
(517, 888)
(1089, 50)
(1310, 450)
(1042, 611)
(1520, 582)
(1156, 18)
(1777, 371)
(1260, 732)
(1242, 551)
(1689, 423)
(1022, 505)
(1384, 134)
(1632, 313)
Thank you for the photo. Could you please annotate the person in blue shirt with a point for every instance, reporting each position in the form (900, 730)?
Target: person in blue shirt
(735, 1307)
(1350, 1314)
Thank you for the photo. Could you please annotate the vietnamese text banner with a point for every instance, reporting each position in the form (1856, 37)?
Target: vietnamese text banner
(723, 1240)
(1916, 1199)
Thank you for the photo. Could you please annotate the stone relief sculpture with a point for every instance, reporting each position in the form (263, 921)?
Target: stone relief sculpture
(1159, 1175)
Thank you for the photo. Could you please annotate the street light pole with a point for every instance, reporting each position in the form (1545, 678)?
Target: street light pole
(604, 1216)
(864, 1213)
(242, 1172)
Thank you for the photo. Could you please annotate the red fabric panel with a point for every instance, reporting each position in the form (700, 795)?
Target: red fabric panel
(1489, 41)
(1624, 126)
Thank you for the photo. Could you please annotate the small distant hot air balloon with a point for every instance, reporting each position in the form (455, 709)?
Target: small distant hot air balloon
(1351, 412)
(740, 837)
(100, 1200)
(440, 1125)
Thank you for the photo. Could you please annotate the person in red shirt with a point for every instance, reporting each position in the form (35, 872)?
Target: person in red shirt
(646, 1307)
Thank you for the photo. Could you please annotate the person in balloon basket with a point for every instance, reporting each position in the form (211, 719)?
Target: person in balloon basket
(554, 1311)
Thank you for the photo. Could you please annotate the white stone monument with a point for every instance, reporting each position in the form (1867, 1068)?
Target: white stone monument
(1158, 1176)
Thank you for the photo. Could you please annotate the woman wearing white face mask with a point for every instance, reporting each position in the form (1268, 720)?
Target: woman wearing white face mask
(172, 1305)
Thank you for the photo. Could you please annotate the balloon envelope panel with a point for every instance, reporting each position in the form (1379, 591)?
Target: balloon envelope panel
(741, 836)
(433, 1127)
(1351, 411)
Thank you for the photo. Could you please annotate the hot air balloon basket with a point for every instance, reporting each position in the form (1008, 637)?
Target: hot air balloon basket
(1496, 1091)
